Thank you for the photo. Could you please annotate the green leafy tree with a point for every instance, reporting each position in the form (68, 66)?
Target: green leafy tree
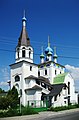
(2, 91)
(13, 97)
(4, 103)
(10, 100)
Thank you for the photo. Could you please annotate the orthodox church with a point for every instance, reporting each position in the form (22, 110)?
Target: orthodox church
(38, 83)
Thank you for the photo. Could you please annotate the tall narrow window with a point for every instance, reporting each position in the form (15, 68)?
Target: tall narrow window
(55, 72)
(68, 87)
(45, 71)
(30, 68)
(38, 73)
(55, 98)
(23, 52)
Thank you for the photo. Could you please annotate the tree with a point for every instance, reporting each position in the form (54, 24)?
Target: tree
(4, 103)
(2, 91)
(13, 97)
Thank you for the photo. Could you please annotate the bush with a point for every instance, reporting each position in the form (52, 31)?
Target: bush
(56, 109)
(4, 103)
(9, 113)
(2, 114)
(28, 111)
(16, 112)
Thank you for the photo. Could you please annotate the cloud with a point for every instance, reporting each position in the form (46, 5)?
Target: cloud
(74, 71)
(3, 83)
(4, 77)
(5, 73)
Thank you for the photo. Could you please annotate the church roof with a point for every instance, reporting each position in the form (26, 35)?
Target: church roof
(49, 62)
(57, 88)
(34, 87)
(59, 78)
(24, 39)
(40, 78)
(23, 61)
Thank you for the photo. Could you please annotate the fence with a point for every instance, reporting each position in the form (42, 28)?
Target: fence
(38, 103)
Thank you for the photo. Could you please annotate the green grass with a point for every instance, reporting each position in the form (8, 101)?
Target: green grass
(40, 109)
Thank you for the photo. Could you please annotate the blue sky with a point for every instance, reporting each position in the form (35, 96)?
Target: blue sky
(57, 18)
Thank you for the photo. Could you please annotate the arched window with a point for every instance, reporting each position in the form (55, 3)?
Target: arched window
(38, 73)
(55, 72)
(17, 78)
(23, 52)
(68, 87)
(45, 71)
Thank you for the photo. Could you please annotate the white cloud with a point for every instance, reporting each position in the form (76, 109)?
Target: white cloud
(74, 71)
(5, 73)
(4, 77)
(3, 83)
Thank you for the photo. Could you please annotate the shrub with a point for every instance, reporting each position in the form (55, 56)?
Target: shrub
(4, 103)
(14, 112)
(28, 111)
(63, 108)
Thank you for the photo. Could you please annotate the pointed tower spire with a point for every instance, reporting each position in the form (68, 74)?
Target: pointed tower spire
(48, 41)
(24, 50)
(24, 13)
(23, 39)
(55, 55)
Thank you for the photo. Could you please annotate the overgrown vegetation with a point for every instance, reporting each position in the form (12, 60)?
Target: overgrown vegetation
(56, 109)
(28, 111)
(10, 100)
(16, 112)
(2, 91)
(9, 105)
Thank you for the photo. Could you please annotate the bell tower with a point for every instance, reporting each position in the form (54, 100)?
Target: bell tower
(24, 51)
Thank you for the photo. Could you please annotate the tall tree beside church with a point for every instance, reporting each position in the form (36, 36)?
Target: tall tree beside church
(2, 91)
(13, 97)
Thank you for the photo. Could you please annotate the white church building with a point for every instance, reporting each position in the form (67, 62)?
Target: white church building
(41, 84)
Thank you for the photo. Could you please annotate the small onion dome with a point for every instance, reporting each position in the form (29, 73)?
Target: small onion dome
(49, 53)
(24, 19)
(55, 56)
(48, 49)
(41, 56)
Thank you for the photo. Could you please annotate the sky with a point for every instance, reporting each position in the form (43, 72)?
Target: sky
(57, 18)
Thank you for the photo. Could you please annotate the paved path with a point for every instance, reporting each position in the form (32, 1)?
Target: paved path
(41, 115)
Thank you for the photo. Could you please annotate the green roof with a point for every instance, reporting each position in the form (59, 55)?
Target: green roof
(59, 78)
